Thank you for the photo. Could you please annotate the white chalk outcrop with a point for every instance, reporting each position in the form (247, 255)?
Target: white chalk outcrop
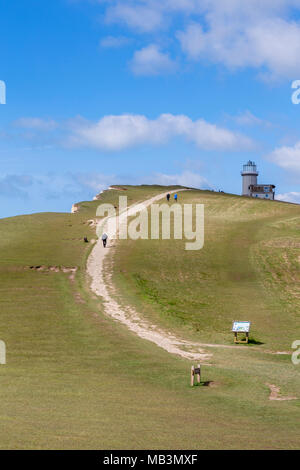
(74, 209)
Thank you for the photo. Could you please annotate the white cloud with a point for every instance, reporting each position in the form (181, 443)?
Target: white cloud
(186, 178)
(15, 186)
(193, 41)
(249, 119)
(123, 131)
(259, 34)
(95, 181)
(145, 16)
(271, 43)
(36, 123)
(113, 42)
(151, 61)
(287, 157)
(54, 186)
(292, 196)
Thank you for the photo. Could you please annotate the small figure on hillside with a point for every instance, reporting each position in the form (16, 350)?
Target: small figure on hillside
(85, 239)
(168, 197)
(175, 197)
(104, 239)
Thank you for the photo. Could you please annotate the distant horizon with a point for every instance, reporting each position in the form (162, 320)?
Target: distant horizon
(137, 185)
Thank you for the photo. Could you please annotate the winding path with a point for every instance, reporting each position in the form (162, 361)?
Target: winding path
(101, 286)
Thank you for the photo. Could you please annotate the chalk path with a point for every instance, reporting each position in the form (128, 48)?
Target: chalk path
(101, 285)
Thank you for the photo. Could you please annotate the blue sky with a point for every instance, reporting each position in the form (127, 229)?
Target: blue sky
(101, 92)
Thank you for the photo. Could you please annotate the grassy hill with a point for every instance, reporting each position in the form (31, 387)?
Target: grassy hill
(248, 269)
(74, 378)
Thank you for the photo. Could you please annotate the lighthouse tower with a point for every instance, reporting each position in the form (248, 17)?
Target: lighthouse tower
(249, 174)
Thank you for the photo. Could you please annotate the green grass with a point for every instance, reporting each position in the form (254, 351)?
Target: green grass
(76, 379)
(202, 292)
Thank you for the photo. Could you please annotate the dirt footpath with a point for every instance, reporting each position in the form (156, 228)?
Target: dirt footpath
(101, 286)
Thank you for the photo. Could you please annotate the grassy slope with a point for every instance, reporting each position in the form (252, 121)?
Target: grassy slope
(75, 379)
(248, 269)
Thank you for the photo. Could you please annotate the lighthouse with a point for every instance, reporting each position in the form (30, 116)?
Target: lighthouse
(251, 188)
(249, 174)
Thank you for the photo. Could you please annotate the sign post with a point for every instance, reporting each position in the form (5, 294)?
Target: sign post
(195, 371)
(241, 327)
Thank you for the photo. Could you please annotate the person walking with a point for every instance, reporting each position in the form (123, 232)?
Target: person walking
(104, 239)
(175, 197)
(168, 197)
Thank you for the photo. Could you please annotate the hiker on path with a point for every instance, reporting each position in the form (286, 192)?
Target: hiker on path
(175, 197)
(168, 197)
(104, 239)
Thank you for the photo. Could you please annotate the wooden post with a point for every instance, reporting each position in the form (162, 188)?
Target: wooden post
(199, 375)
(195, 371)
(192, 376)
(236, 340)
